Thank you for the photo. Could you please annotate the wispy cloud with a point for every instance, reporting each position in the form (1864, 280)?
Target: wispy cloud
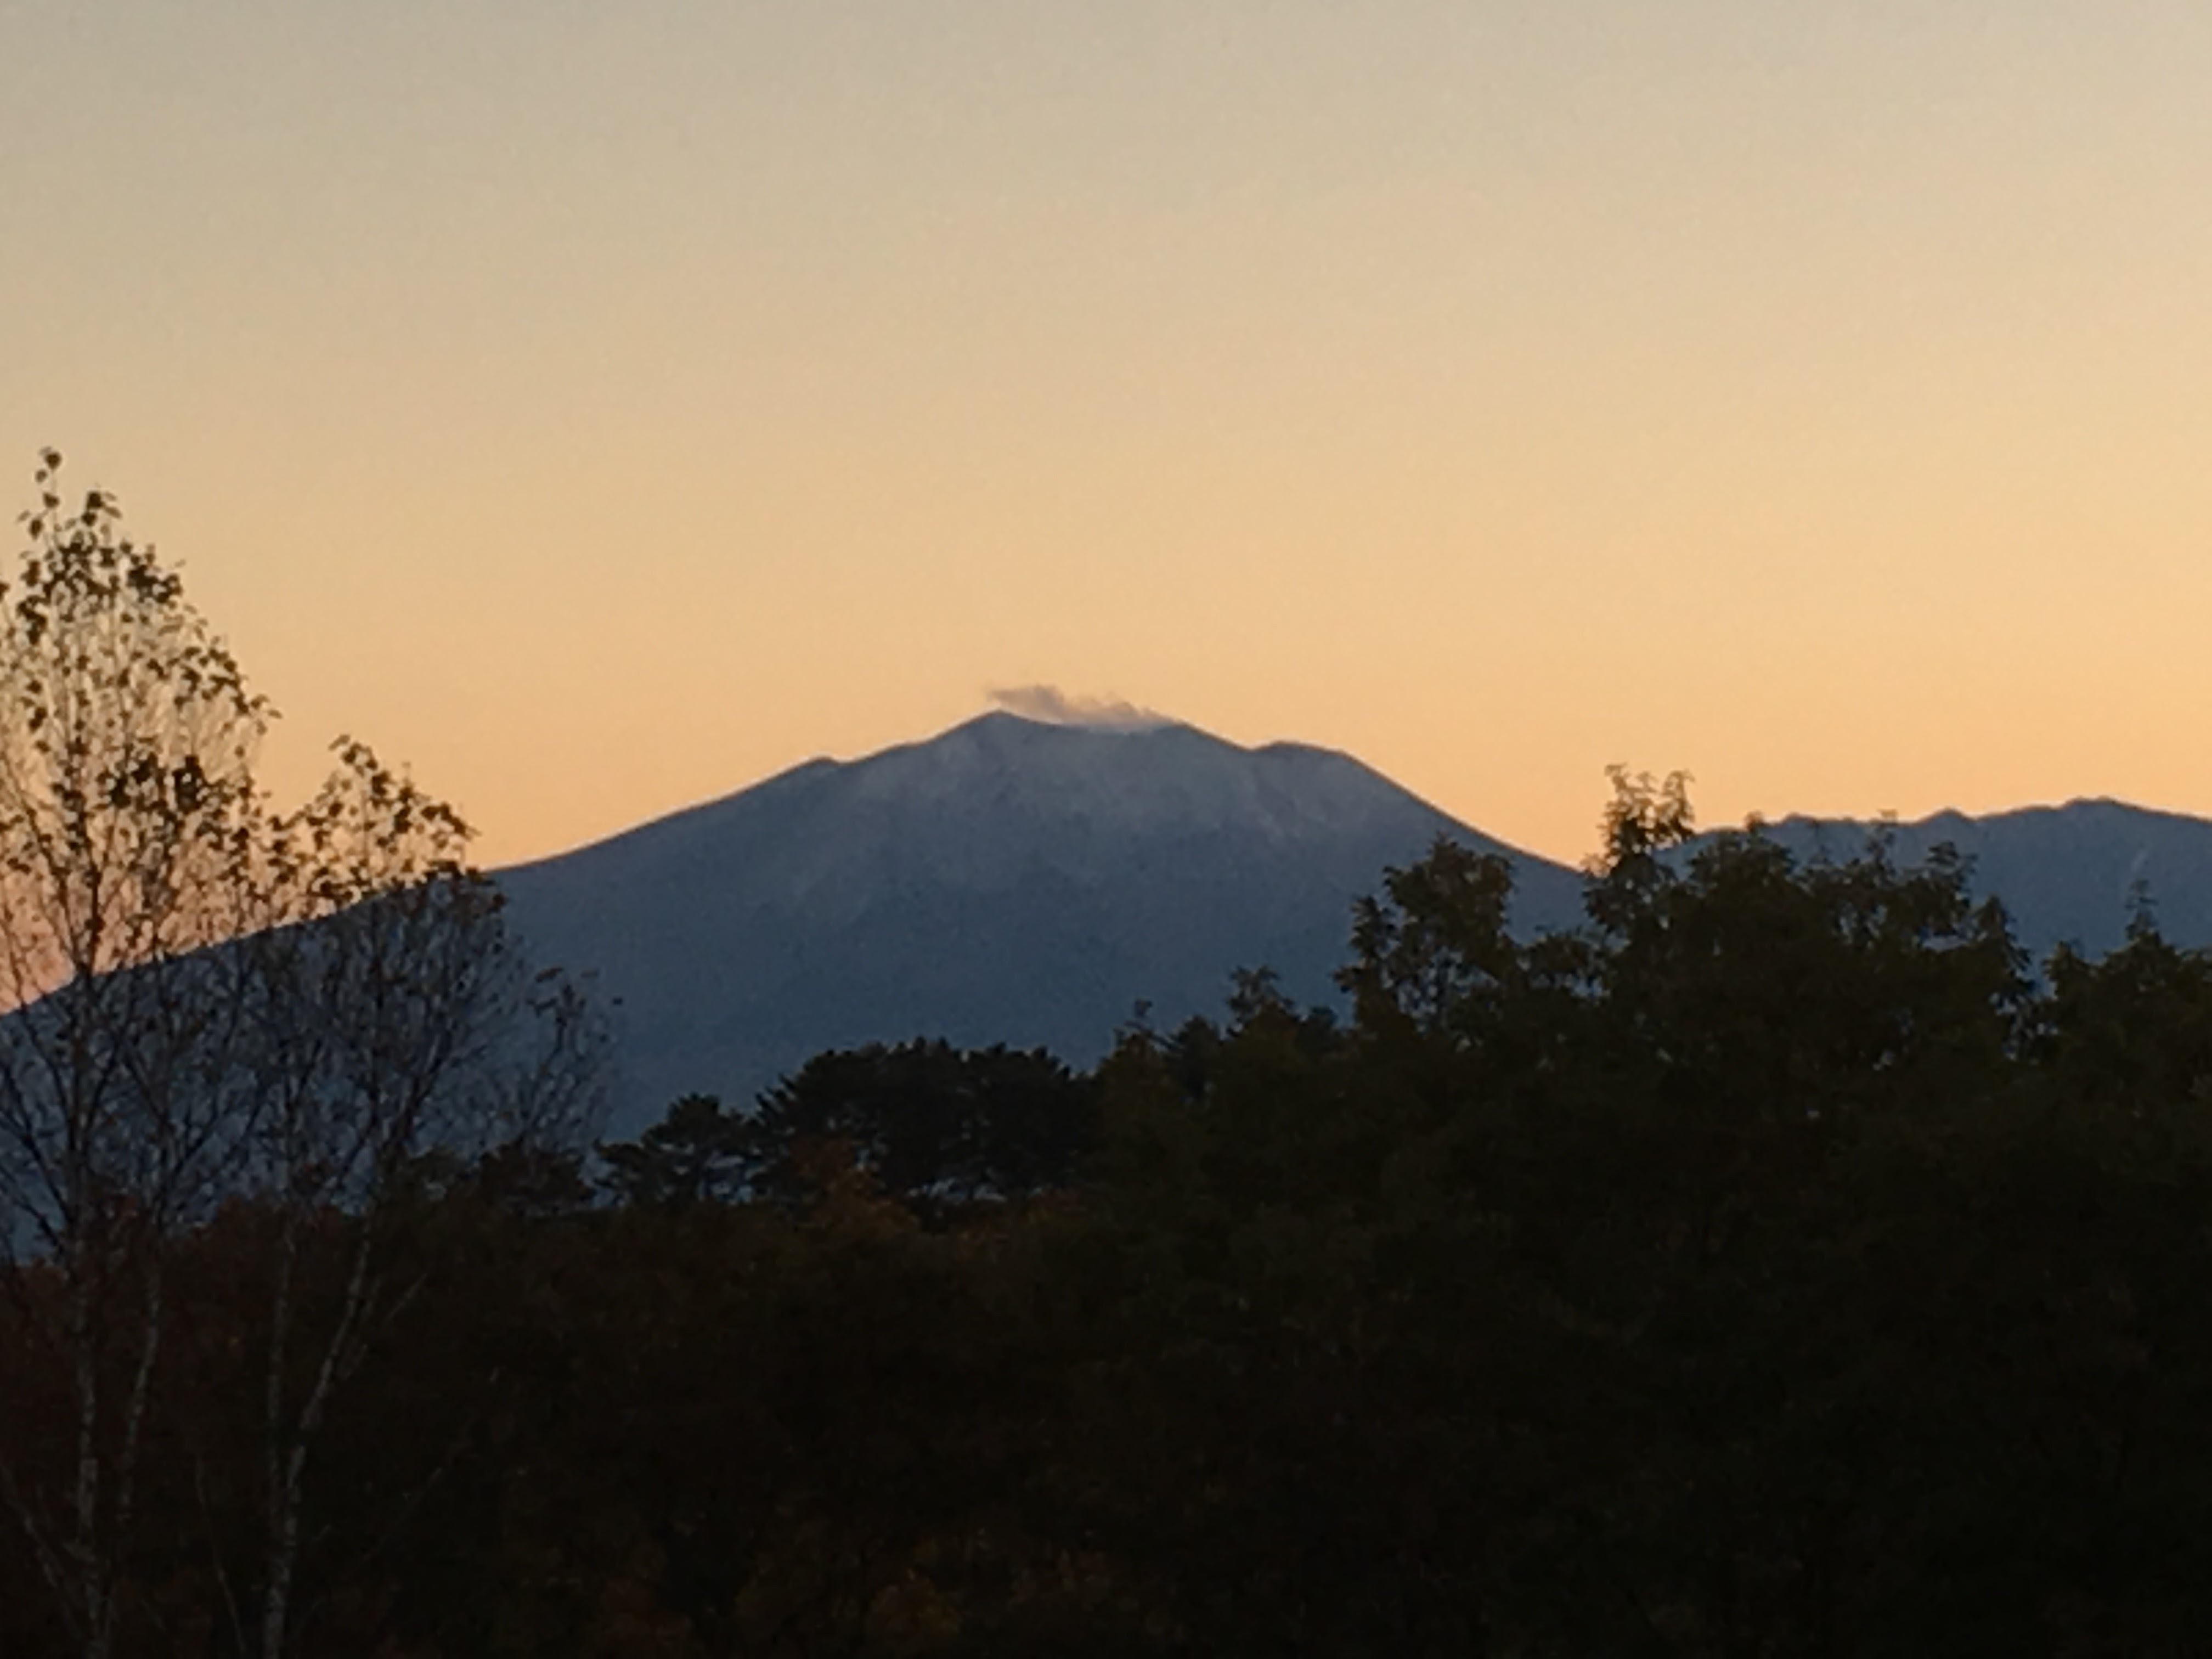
(1051, 704)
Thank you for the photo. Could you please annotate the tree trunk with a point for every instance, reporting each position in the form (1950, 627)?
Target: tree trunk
(286, 1448)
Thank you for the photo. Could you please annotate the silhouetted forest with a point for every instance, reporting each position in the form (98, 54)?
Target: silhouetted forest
(1779, 1265)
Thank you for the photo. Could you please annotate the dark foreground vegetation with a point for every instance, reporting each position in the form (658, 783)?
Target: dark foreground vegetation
(1775, 1266)
(1771, 1269)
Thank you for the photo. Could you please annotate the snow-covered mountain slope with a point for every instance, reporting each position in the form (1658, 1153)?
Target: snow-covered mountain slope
(1006, 881)
(2066, 873)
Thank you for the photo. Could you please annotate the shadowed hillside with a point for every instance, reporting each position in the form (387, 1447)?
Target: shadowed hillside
(2069, 874)
(1006, 881)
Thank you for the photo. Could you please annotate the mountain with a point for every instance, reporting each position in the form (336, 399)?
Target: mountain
(1015, 881)
(1006, 881)
(2067, 873)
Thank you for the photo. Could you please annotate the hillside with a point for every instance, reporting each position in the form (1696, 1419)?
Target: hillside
(2066, 873)
(1015, 881)
(1005, 881)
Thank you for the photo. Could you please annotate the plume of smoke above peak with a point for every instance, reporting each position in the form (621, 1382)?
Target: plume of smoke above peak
(1058, 708)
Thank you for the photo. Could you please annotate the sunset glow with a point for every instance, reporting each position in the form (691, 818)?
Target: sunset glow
(602, 407)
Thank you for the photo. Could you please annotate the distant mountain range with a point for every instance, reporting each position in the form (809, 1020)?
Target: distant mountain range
(2070, 874)
(1015, 881)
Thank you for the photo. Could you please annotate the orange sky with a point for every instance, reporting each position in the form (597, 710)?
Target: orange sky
(602, 407)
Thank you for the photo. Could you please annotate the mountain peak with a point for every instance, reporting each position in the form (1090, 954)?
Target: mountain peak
(1007, 724)
(1049, 705)
(1008, 879)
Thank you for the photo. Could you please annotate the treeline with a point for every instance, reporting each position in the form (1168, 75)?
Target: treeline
(1778, 1266)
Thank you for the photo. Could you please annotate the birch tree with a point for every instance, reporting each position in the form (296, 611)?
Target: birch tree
(206, 1000)
(394, 1017)
(128, 823)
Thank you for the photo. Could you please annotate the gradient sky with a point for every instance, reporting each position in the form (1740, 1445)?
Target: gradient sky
(601, 407)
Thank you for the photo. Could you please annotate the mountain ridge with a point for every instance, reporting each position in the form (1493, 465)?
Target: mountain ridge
(1015, 880)
(2067, 872)
(1006, 880)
